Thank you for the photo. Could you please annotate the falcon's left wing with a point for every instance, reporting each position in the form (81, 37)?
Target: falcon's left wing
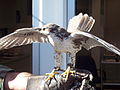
(90, 41)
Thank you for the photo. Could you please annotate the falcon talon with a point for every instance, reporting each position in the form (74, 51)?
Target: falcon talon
(66, 73)
(51, 75)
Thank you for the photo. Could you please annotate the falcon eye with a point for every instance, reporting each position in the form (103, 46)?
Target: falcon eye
(39, 29)
(43, 29)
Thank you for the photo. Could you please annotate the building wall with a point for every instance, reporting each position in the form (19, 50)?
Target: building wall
(7, 13)
(112, 23)
(16, 14)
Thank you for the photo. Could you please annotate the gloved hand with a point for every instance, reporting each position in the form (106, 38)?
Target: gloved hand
(75, 82)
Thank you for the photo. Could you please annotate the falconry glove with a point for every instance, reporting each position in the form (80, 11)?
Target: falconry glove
(74, 82)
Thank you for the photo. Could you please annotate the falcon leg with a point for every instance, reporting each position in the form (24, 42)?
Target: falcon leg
(72, 60)
(71, 64)
(58, 59)
(57, 68)
(51, 75)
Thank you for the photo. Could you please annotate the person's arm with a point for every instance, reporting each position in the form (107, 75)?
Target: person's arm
(16, 80)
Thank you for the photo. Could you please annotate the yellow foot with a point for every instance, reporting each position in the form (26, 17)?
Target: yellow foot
(51, 75)
(66, 73)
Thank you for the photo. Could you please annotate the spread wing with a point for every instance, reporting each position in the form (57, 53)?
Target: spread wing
(90, 41)
(22, 36)
(80, 23)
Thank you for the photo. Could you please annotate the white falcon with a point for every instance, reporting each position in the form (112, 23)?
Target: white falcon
(68, 41)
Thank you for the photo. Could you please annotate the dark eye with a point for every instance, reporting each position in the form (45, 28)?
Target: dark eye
(44, 29)
(39, 29)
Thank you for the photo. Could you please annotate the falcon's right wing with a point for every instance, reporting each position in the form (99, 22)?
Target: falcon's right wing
(90, 41)
(80, 23)
(22, 37)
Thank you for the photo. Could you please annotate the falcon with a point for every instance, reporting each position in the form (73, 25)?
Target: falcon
(68, 41)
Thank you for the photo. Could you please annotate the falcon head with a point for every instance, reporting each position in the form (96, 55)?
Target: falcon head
(54, 29)
(50, 29)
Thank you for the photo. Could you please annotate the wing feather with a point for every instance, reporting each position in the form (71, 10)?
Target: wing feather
(90, 41)
(85, 21)
(89, 24)
(80, 23)
(22, 37)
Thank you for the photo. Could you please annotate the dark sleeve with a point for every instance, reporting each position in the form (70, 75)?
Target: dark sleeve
(3, 72)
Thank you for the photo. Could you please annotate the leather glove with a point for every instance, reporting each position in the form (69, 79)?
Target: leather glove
(74, 82)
